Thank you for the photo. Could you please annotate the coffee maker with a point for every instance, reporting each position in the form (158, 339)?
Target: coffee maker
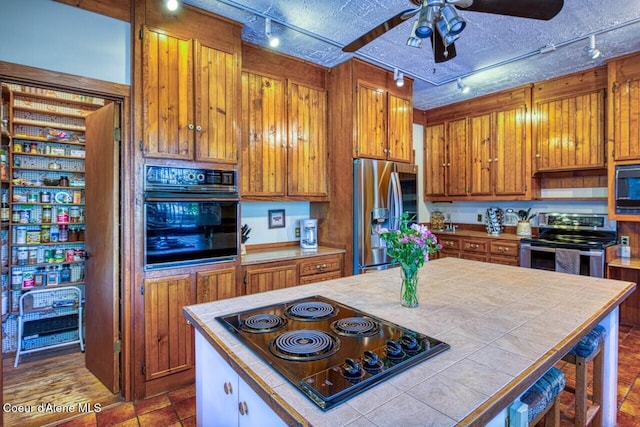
(309, 233)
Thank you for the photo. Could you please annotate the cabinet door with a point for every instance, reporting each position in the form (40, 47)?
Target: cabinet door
(168, 337)
(626, 120)
(400, 129)
(371, 122)
(435, 163)
(254, 411)
(167, 82)
(216, 105)
(570, 133)
(480, 155)
(510, 153)
(263, 138)
(216, 285)
(457, 161)
(262, 279)
(307, 149)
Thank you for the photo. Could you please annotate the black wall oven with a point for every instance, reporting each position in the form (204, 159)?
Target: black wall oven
(191, 216)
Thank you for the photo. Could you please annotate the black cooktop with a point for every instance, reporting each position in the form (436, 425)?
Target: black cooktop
(328, 350)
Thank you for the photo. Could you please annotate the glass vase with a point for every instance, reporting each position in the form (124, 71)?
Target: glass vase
(409, 289)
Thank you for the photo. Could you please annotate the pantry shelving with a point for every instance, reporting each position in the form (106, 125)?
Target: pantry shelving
(44, 190)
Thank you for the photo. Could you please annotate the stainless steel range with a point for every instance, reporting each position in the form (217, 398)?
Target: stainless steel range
(590, 234)
(328, 350)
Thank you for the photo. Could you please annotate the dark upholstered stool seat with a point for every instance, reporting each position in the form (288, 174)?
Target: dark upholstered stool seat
(541, 397)
(588, 349)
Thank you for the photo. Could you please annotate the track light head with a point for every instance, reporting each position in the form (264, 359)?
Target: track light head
(455, 23)
(172, 5)
(591, 49)
(273, 40)
(462, 87)
(398, 76)
(424, 27)
(414, 40)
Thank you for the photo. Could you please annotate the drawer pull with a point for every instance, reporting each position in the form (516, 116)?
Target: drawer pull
(227, 388)
(321, 266)
(243, 408)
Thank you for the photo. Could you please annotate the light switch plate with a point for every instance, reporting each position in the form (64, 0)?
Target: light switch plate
(625, 252)
(624, 240)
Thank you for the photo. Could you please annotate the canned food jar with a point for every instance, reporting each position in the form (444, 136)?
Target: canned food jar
(23, 256)
(45, 233)
(33, 256)
(63, 215)
(32, 197)
(77, 197)
(45, 197)
(28, 280)
(74, 214)
(16, 279)
(21, 235)
(33, 237)
(46, 213)
(64, 233)
(70, 255)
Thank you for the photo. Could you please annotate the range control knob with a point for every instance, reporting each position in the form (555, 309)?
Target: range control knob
(394, 350)
(352, 368)
(371, 359)
(409, 343)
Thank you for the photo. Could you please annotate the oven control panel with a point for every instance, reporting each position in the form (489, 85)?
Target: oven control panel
(167, 178)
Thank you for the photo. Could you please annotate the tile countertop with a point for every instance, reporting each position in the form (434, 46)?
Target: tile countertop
(258, 256)
(506, 326)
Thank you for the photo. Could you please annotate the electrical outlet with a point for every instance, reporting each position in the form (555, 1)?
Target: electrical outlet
(297, 231)
(624, 240)
(479, 217)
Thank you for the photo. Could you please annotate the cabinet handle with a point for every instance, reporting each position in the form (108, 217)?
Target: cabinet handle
(190, 126)
(448, 164)
(243, 408)
(495, 160)
(489, 161)
(198, 128)
(227, 388)
(321, 267)
(537, 156)
(444, 165)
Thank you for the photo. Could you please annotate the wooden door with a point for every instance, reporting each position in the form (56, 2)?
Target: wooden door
(435, 163)
(307, 135)
(168, 339)
(262, 278)
(400, 129)
(510, 153)
(216, 285)
(371, 122)
(216, 105)
(102, 278)
(263, 138)
(571, 133)
(480, 155)
(167, 91)
(457, 157)
(626, 120)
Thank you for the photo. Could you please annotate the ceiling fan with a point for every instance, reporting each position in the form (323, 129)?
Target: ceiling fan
(439, 21)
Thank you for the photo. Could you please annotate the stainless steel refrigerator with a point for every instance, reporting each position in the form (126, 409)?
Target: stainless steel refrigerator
(382, 192)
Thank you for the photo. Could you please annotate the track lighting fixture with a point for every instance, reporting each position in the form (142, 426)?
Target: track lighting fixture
(436, 14)
(591, 49)
(273, 40)
(455, 23)
(424, 27)
(398, 77)
(462, 87)
(447, 37)
(172, 5)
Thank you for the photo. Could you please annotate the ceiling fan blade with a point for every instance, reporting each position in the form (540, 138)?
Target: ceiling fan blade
(380, 30)
(534, 9)
(442, 53)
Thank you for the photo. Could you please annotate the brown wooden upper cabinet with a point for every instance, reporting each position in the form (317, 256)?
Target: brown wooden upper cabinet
(384, 124)
(569, 122)
(190, 99)
(478, 150)
(284, 139)
(624, 108)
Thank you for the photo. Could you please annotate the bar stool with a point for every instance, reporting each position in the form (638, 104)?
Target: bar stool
(588, 349)
(542, 398)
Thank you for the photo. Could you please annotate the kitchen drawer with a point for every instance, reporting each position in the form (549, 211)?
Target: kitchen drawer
(449, 244)
(474, 256)
(479, 246)
(505, 248)
(320, 277)
(505, 260)
(320, 265)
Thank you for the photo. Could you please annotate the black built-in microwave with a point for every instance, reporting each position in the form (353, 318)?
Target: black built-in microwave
(627, 187)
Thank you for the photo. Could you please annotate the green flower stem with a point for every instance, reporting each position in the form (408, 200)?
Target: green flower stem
(409, 291)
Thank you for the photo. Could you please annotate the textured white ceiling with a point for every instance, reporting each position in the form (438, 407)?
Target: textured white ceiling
(494, 52)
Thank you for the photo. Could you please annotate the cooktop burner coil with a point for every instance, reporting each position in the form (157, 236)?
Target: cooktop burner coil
(355, 327)
(306, 344)
(263, 323)
(311, 310)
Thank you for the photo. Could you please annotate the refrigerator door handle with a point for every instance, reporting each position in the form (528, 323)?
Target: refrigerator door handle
(394, 201)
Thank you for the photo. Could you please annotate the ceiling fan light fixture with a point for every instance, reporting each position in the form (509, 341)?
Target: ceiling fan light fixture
(463, 88)
(398, 76)
(591, 49)
(424, 24)
(413, 40)
(455, 23)
(443, 29)
(273, 40)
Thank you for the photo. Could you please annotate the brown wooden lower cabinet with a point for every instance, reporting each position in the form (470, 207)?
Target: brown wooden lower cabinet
(168, 338)
(321, 268)
(270, 276)
(216, 285)
(476, 248)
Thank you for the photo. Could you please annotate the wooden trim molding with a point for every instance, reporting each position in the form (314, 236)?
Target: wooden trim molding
(39, 76)
(118, 9)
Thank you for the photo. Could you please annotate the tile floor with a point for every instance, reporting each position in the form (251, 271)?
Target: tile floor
(178, 408)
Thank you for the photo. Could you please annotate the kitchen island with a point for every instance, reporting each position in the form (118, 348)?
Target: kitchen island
(506, 326)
